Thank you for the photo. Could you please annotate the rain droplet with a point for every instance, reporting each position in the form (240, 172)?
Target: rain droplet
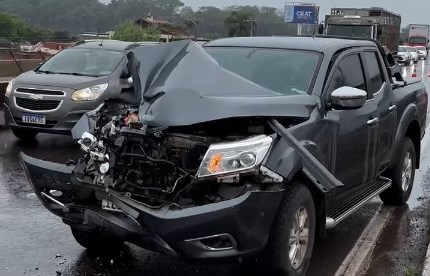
(111, 262)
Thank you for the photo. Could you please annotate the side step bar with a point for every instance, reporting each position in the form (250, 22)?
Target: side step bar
(346, 208)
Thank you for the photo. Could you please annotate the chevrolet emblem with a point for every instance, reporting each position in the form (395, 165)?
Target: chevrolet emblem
(36, 97)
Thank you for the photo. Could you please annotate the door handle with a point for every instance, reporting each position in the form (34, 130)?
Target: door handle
(372, 122)
(392, 108)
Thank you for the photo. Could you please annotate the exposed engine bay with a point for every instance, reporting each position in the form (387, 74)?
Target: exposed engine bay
(184, 166)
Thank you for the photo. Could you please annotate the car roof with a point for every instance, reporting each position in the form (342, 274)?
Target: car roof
(316, 43)
(115, 45)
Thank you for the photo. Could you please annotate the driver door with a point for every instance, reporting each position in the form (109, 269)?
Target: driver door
(354, 130)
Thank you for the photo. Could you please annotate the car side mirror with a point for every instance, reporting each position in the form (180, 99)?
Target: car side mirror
(347, 98)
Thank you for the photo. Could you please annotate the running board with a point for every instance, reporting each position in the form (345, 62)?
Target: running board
(349, 206)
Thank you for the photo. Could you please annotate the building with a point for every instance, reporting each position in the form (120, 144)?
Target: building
(169, 31)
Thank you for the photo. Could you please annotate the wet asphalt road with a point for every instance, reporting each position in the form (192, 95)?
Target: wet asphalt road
(35, 242)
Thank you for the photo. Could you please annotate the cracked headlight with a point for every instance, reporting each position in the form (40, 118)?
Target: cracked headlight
(89, 93)
(234, 157)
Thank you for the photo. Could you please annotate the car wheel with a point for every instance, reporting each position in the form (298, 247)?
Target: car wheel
(292, 239)
(402, 175)
(24, 134)
(96, 241)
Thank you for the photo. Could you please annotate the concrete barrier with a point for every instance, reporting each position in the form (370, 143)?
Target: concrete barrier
(9, 68)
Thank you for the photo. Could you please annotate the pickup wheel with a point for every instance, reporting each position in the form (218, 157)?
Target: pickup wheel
(292, 239)
(97, 242)
(25, 135)
(402, 175)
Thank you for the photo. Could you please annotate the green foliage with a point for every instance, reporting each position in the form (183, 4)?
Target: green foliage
(129, 31)
(241, 23)
(13, 28)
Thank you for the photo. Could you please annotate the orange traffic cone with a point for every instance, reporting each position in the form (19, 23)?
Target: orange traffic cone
(414, 73)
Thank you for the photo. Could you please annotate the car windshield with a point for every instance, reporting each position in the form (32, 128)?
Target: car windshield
(421, 48)
(412, 49)
(403, 49)
(288, 72)
(86, 62)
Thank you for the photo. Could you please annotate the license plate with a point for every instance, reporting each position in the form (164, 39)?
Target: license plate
(34, 119)
(107, 205)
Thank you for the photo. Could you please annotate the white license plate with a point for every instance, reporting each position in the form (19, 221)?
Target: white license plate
(107, 205)
(34, 119)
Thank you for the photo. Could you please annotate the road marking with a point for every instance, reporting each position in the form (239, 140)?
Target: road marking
(360, 253)
(426, 269)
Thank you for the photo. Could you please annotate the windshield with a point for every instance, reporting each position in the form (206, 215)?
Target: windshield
(411, 49)
(288, 72)
(403, 49)
(87, 62)
(421, 48)
(348, 30)
(417, 40)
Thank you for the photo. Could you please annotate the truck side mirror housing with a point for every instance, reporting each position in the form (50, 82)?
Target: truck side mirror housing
(348, 98)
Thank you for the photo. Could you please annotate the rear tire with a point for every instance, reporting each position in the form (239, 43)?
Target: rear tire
(97, 242)
(402, 175)
(24, 134)
(291, 243)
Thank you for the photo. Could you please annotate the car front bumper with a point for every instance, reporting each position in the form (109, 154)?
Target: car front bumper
(245, 221)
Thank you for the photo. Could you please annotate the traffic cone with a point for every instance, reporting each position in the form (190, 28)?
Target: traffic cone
(414, 73)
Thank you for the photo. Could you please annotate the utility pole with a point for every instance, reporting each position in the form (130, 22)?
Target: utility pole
(196, 23)
(251, 21)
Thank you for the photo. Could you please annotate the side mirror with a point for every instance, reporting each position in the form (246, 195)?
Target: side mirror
(321, 29)
(346, 98)
(130, 80)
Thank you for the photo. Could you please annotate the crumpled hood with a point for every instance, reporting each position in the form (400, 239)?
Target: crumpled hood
(180, 84)
(57, 80)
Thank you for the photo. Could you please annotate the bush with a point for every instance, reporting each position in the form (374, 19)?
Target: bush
(131, 32)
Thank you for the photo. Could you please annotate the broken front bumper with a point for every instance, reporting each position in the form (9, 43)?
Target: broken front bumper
(232, 228)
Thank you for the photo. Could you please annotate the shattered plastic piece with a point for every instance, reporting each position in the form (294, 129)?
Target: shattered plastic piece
(62, 262)
(58, 255)
(111, 262)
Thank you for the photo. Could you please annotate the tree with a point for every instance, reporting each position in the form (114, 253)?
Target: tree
(129, 31)
(240, 23)
(12, 27)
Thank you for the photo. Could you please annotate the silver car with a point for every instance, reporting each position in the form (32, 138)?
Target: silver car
(403, 55)
(54, 96)
(414, 54)
(422, 52)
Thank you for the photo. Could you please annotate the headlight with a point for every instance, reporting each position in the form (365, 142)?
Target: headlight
(90, 93)
(9, 88)
(234, 157)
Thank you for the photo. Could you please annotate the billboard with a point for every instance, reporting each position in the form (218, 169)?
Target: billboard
(301, 13)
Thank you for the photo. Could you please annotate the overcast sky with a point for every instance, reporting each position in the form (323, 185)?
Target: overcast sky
(412, 11)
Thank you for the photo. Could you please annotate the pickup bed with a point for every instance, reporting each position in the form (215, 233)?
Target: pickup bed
(247, 147)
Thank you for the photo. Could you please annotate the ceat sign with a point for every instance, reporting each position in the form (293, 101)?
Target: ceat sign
(303, 13)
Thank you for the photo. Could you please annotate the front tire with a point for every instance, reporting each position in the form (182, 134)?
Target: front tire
(291, 243)
(97, 242)
(402, 175)
(24, 134)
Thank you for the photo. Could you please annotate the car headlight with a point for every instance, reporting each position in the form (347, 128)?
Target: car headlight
(89, 93)
(9, 88)
(240, 156)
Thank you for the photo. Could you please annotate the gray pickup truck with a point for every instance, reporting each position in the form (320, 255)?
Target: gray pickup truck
(247, 148)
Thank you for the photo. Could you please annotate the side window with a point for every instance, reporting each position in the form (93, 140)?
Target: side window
(374, 69)
(349, 72)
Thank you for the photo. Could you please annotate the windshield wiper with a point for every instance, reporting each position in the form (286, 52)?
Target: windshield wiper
(78, 74)
(45, 71)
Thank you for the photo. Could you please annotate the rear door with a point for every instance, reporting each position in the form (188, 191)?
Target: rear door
(379, 87)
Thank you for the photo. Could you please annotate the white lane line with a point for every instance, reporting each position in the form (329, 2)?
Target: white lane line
(426, 269)
(360, 253)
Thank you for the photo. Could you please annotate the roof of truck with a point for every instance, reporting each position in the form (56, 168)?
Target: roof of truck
(317, 43)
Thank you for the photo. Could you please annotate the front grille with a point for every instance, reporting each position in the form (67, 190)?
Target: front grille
(37, 105)
(40, 91)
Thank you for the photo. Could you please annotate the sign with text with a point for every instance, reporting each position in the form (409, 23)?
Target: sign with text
(304, 14)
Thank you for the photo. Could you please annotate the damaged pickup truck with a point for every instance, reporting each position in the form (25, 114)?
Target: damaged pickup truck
(247, 148)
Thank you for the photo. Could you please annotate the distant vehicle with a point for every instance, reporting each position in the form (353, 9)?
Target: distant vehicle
(414, 54)
(53, 97)
(376, 23)
(422, 52)
(403, 55)
(419, 35)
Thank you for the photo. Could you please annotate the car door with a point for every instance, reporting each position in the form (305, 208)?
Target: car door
(355, 133)
(380, 88)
